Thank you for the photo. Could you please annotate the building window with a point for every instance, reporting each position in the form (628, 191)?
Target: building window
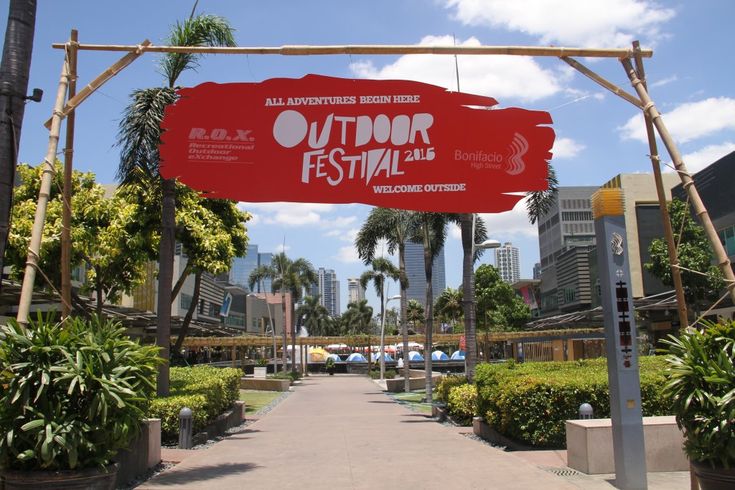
(185, 301)
(727, 236)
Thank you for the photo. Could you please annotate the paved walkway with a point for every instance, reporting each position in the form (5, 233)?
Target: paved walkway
(342, 432)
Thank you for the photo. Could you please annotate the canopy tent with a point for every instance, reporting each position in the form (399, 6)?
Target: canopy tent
(438, 355)
(317, 354)
(415, 356)
(376, 357)
(356, 357)
(457, 355)
(335, 357)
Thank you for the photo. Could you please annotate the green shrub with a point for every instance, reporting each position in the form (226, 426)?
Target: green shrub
(462, 403)
(290, 375)
(167, 409)
(389, 373)
(445, 385)
(210, 390)
(700, 387)
(74, 394)
(529, 402)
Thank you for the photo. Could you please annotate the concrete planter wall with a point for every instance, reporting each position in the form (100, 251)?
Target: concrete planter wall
(590, 449)
(416, 381)
(143, 453)
(265, 384)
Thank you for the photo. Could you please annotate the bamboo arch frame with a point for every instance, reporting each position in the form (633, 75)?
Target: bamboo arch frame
(635, 74)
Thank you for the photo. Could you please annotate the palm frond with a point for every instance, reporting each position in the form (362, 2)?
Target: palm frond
(202, 30)
(139, 134)
(540, 202)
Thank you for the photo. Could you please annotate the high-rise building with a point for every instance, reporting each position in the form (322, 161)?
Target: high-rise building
(537, 270)
(508, 263)
(355, 292)
(328, 290)
(567, 224)
(242, 267)
(417, 277)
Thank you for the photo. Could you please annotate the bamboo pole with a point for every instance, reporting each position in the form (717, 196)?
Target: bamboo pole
(68, 165)
(101, 79)
(601, 81)
(681, 305)
(300, 50)
(649, 107)
(26, 294)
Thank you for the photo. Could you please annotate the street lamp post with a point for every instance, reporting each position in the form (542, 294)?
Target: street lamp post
(272, 328)
(471, 343)
(382, 335)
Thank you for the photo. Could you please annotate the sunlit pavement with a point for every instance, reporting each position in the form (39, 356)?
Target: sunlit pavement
(343, 432)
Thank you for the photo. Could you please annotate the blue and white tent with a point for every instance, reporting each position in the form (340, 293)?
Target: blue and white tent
(458, 355)
(356, 357)
(415, 356)
(376, 357)
(438, 355)
(335, 357)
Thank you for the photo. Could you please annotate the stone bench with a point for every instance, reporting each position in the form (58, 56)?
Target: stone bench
(417, 381)
(265, 384)
(590, 447)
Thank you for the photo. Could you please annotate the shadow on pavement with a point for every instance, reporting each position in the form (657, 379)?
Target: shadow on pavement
(202, 473)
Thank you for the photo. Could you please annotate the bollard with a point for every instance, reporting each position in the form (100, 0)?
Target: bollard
(185, 427)
(585, 411)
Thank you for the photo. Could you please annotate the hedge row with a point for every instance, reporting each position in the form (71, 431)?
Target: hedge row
(529, 402)
(206, 390)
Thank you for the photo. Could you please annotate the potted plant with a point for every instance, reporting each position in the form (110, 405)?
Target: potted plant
(330, 366)
(74, 394)
(701, 386)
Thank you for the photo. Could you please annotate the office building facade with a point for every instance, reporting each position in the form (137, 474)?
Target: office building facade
(508, 263)
(355, 292)
(417, 277)
(328, 290)
(242, 267)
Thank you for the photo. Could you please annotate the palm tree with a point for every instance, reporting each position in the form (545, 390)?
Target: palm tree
(315, 315)
(286, 275)
(448, 305)
(358, 317)
(393, 226)
(431, 230)
(382, 270)
(415, 314)
(139, 137)
(14, 72)
(538, 203)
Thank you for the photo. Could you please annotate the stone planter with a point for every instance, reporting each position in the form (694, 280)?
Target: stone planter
(85, 479)
(714, 478)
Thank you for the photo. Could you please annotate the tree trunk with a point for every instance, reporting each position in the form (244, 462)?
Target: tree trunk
(381, 359)
(165, 280)
(428, 343)
(285, 330)
(404, 317)
(180, 282)
(98, 290)
(14, 71)
(468, 296)
(293, 334)
(190, 312)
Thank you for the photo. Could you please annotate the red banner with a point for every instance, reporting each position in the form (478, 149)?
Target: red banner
(397, 144)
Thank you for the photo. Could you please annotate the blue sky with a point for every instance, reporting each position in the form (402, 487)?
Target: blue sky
(598, 135)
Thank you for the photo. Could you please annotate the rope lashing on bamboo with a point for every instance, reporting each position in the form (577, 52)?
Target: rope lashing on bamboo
(701, 317)
(46, 278)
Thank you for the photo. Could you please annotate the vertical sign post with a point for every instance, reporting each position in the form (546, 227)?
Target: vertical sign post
(620, 340)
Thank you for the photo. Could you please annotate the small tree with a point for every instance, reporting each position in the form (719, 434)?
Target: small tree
(701, 279)
(498, 305)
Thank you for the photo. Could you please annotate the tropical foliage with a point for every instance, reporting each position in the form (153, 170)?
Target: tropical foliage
(315, 316)
(700, 278)
(449, 307)
(701, 390)
(73, 395)
(499, 308)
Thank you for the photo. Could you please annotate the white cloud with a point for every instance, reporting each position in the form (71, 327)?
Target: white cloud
(348, 255)
(697, 160)
(292, 214)
(665, 81)
(504, 226)
(589, 23)
(688, 121)
(338, 223)
(496, 76)
(282, 248)
(566, 148)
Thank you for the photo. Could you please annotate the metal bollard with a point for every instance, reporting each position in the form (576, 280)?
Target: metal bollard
(585, 411)
(185, 427)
